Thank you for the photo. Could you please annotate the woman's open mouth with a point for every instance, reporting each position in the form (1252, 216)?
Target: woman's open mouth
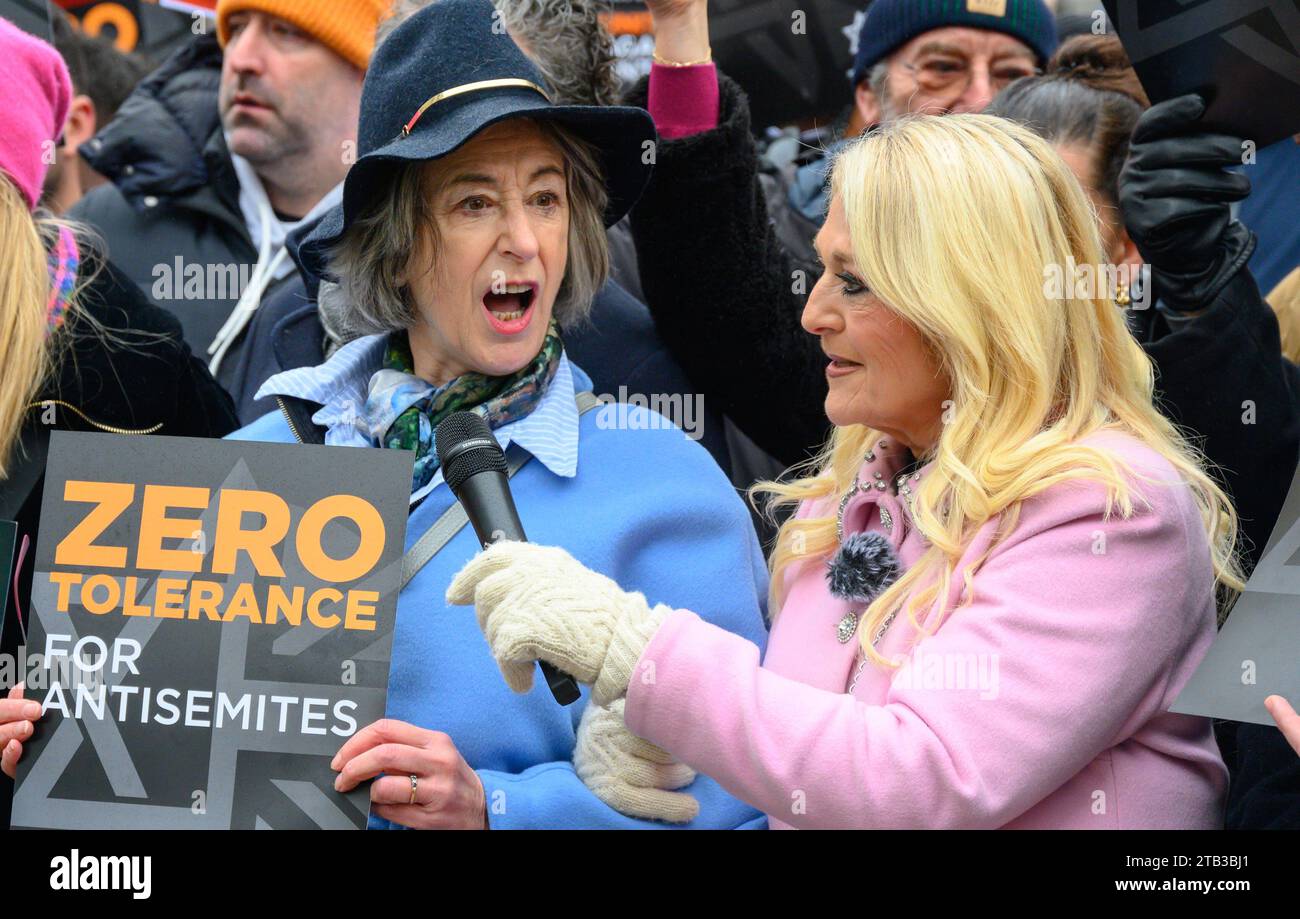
(839, 366)
(509, 307)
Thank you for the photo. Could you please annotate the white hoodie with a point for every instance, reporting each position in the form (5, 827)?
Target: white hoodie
(273, 262)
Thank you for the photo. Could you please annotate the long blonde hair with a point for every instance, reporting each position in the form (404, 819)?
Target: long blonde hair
(1285, 301)
(24, 292)
(954, 223)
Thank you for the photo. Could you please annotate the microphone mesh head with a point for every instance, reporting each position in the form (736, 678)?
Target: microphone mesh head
(466, 447)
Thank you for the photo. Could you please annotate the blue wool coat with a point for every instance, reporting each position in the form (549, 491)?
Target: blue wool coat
(647, 507)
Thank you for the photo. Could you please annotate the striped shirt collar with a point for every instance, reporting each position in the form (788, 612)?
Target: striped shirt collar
(549, 432)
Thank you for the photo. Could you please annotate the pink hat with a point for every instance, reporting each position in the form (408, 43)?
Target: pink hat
(37, 93)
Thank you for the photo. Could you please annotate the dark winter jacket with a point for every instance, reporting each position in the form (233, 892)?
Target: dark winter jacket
(133, 375)
(623, 269)
(170, 215)
(718, 281)
(1223, 378)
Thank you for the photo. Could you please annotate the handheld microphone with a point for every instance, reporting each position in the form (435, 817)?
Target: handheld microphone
(475, 470)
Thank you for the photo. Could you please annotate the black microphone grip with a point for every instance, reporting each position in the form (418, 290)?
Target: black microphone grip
(494, 519)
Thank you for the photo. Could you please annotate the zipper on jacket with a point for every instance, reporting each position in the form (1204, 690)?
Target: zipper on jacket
(108, 428)
(284, 410)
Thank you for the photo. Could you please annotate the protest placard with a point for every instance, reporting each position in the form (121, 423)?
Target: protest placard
(210, 621)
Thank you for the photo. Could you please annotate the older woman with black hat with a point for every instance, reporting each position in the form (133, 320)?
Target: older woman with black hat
(473, 225)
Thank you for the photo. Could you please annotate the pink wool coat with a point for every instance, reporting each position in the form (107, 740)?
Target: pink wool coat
(1043, 702)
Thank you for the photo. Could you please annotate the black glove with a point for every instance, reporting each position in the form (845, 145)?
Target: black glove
(1175, 195)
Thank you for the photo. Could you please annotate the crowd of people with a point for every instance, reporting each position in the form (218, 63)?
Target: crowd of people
(340, 223)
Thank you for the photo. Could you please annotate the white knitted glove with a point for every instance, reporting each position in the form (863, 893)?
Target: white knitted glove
(540, 603)
(631, 775)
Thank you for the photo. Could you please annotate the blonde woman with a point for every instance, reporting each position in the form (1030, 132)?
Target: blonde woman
(1002, 569)
(80, 346)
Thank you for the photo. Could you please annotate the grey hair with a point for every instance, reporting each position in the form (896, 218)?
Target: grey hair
(878, 78)
(878, 83)
(565, 39)
(377, 250)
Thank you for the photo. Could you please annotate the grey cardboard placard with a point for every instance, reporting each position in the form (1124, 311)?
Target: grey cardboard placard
(206, 714)
(1257, 652)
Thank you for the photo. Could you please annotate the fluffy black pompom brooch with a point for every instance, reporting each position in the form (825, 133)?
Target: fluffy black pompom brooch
(863, 568)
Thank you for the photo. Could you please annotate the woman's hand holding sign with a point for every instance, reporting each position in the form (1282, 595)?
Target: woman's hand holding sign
(17, 721)
(422, 780)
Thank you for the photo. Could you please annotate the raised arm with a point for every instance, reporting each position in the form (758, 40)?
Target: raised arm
(724, 293)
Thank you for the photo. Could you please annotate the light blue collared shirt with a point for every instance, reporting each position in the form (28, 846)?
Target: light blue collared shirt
(342, 383)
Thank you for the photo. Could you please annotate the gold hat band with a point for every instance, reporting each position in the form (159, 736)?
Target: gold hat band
(471, 88)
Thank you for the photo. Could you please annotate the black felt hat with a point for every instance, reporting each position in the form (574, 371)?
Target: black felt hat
(447, 73)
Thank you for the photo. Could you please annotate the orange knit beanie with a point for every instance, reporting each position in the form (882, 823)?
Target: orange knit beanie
(347, 27)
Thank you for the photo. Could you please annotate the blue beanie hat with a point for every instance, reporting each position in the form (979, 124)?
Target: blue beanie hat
(892, 23)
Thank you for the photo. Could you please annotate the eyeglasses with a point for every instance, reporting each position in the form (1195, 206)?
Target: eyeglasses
(951, 76)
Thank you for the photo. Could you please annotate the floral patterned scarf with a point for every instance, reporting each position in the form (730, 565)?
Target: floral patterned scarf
(403, 411)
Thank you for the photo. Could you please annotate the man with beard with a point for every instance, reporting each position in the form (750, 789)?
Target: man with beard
(215, 159)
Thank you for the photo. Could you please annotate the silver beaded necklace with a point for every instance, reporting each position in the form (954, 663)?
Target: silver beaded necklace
(847, 627)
